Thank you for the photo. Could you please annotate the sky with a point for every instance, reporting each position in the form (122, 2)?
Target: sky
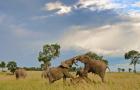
(107, 27)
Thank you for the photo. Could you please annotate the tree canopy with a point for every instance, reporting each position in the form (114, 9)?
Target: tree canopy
(12, 65)
(50, 51)
(2, 65)
(94, 56)
(134, 57)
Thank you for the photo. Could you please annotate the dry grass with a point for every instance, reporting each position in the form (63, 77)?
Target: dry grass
(114, 81)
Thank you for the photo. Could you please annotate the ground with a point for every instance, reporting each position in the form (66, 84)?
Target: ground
(114, 81)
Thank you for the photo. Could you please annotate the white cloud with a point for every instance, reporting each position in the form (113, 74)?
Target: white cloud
(134, 13)
(97, 4)
(61, 8)
(137, 4)
(107, 40)
(88, 4)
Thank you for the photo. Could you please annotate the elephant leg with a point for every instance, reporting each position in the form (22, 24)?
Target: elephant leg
(87, 79)
(17, 76)
(102, 76)
(51, 79)
(68, 75)
(64, 79)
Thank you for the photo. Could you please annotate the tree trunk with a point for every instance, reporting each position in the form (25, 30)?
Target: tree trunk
(46, 66)
(134, 68)
(2, 69)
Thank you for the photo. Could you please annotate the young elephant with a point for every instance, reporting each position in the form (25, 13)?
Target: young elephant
(80, 72)
(81, 77)
(94, 66)
(62, 71)
(57, 73)
(20, 73)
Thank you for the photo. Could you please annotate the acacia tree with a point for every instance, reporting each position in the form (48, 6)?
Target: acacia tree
(12, 66)
(129, 69)
(123, 69)
(134, 57)
(94, 56)
(42, 66)
(2, 65)
(119, 69)
(50, 51)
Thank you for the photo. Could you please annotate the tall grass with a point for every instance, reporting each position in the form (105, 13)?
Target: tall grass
(114, 81)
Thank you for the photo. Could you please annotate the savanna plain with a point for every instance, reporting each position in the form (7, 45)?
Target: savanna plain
(114, 81)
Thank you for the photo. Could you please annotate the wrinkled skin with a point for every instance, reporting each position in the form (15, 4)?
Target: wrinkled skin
(95, 66)
(80, 72)
(57, 73)
(20, 73)
(69, 63)
(81, 77)
(62, 71)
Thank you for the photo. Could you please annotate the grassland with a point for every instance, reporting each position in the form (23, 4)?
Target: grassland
(114, 81)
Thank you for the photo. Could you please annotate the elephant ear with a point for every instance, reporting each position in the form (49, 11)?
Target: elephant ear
(64, 65)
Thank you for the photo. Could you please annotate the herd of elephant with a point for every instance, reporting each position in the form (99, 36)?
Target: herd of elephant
(62, 71)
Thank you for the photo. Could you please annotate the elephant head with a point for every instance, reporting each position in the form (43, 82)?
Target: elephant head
(69, 63)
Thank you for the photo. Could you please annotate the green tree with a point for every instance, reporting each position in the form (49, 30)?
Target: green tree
(94, 56)
(129, 69)
(2, 65)
(134, 57)
(50, 51)
(12, 66)
(123, 69)
(42, 66)
(119, 69)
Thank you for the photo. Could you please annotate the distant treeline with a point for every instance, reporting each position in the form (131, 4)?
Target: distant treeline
(40, 69)
(33, 68)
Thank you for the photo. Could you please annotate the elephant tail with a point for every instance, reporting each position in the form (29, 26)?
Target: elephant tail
(108, 68)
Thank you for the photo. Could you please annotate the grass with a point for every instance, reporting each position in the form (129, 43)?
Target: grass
(114, 81)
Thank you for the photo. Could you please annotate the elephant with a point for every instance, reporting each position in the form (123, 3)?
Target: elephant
(80, 72)
(95, 66)
(20, 73)
(81, 77)
(62, 71)
(69, 63)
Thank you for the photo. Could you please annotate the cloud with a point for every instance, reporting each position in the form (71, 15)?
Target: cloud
(97, 4)
(86, 4)
(61, 8)
(134, 13)
(107, 40)
(137, 4)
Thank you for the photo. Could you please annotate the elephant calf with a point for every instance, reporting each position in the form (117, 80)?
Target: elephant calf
(62, 71)
(20, 73)
(57, 73)
(82, 78)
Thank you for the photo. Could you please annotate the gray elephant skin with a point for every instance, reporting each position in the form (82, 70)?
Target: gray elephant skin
(20, 73)
(95, 66)
(62, 71)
